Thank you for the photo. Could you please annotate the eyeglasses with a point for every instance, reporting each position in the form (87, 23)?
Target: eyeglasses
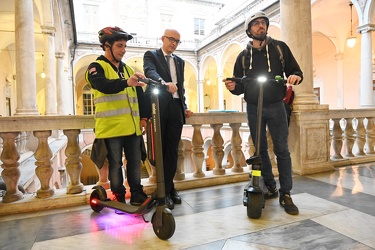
(257, 23)
(172, 40)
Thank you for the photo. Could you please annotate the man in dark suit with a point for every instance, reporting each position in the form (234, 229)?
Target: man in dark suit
(162, 64)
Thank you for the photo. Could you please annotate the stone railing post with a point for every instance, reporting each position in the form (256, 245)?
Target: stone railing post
(103, 175)
(180, 175)
(197, 155)
(336, 139)
(217, 149)
(73, 162)
(349, 138)
(251, 147)
(44, 170)
(360, 136)
(11, 173)
(370, 136)
(236, 151)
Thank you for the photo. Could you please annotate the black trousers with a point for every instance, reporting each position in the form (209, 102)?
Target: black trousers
(171, 121)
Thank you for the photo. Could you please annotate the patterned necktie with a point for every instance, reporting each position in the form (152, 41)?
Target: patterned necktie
(169, 62)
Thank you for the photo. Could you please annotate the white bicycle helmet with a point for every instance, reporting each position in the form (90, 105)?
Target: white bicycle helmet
(252, 17)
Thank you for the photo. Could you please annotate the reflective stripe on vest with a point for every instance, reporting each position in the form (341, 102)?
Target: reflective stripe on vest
(116, 112)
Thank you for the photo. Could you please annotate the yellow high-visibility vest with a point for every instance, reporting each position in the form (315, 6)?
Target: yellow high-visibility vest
(116, 114)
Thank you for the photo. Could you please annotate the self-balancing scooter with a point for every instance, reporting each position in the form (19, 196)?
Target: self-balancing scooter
(254, 191)
(163, 222)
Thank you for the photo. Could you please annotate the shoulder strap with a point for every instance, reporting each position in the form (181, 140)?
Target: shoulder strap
(281, 57)
(278, 49)
(243, 61)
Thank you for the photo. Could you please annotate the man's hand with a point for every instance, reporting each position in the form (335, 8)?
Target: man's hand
(143, 126)
(229, 84)
(172, 87)
(188, 113)
(294, 79)
(133, 80)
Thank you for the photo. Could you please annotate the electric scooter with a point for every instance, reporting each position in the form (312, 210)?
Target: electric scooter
(254, 191)
(163, 222)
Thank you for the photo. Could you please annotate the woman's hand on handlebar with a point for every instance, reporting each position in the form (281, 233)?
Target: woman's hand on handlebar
(294, 79)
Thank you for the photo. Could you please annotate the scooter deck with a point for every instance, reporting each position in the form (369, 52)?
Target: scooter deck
(127, 208)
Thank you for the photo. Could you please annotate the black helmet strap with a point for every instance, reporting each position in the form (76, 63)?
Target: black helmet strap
(110, 48)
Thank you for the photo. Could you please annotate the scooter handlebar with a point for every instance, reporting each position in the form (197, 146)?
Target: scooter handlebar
(149, 81)
(277, 79)
(234, 79)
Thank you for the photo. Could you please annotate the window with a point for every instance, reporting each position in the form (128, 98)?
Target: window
(8, 107)
(199, 26)
(88, 104)
(317, 94)
(91, 15)
(165, 21)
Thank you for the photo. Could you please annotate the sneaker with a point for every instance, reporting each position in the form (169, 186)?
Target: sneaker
(138, 198)
(271, 193)
(287, 203)
(119, 197)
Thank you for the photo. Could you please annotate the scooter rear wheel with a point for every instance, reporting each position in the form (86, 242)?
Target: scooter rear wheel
(168, 225)
(98, 193)
(254, 205)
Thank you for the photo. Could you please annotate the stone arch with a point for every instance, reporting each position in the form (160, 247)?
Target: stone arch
(210, 82)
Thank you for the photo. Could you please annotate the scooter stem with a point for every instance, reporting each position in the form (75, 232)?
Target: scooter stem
(259, 120)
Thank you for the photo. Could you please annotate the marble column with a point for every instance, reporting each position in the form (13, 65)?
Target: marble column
(298, 37)
(60, 84)
(25, 58)
(309, 128)
(50, 70)
(340, 81)
(366, 86)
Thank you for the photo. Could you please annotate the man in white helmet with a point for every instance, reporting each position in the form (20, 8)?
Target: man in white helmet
(262, 58)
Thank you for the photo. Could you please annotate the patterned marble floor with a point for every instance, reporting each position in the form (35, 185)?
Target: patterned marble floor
(337, 211)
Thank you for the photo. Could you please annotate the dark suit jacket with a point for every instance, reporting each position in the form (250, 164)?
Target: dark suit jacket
(155, 67)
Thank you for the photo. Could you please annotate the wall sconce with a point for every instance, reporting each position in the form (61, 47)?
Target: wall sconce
(208, 82)
(8, 80)
(207, 101)
(352, 39)
(42, 74)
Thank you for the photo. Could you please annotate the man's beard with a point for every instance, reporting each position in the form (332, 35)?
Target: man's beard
(261, 37)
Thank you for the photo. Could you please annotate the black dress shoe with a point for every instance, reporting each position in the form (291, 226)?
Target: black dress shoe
(175, 196)
(169, 202)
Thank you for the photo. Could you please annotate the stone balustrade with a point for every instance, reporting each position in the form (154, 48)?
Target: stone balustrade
(352, 136)
(352, 142)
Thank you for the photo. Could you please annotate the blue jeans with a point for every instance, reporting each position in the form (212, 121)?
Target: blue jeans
(275, 118)
(131, 146)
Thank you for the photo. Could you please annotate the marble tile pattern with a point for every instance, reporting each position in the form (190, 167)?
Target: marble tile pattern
(337, 211)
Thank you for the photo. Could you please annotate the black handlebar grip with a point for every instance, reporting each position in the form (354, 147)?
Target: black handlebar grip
(234, 79)
(148, 81)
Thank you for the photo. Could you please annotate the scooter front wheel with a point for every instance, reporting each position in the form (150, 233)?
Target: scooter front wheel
(168, 225)
(254, 205)
(98, 193)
